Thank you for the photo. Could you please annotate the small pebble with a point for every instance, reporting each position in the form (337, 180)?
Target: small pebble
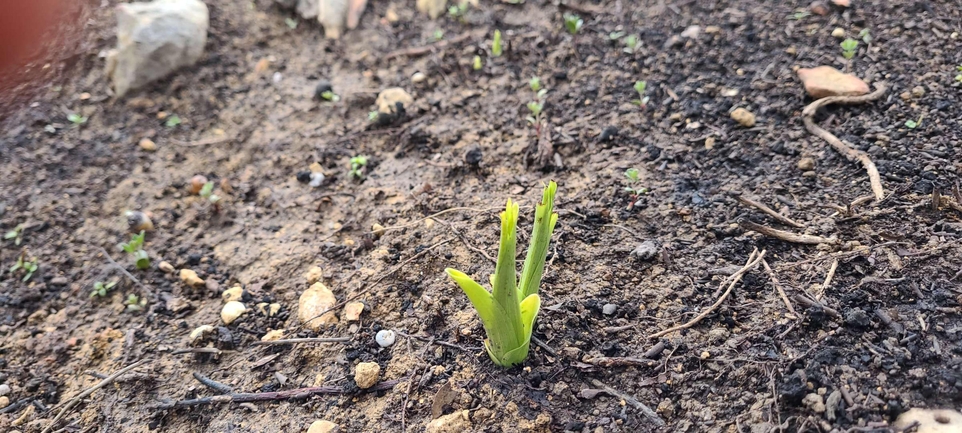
(385, 338)
(352, 311)
(838, 33)
(147, 144)
(166, 267)
(196, 184)
(646, 251)
(190, 278)
(231, 311)
(4, 389)
(313, 274)
(200, 333)
(323, 426)
(806, 164)
(418, 77)
(304, 176)
(608, 133)
(138, 221)
(918, 91)
(366, 374)
(473, 156)
(818, 8)
(316, 180)
(232, 294)
(743, 117)
(277, 77)
(609, 309)
(377, 230)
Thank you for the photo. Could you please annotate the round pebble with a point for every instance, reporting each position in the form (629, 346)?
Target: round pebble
(609, 309)
(5, 389)
(418, 77)
(385, 337)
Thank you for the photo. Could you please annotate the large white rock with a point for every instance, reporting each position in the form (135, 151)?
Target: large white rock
(334, 15)
(154, 39)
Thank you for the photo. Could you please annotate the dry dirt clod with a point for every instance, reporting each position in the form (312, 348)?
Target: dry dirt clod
(393, 101)
(814, 402)
(930, 420)
(276, 334)
(646, 251)
(806, 164)
(826, 81)
(313, 302)
(818, 8)
(147, 145)
(323, 426)
(743, 117)
(235, 293)
(231, 311)
(352, 311)
(378, 230)
(451, 423)
(190, 278)
(366, 374)
(313, 275)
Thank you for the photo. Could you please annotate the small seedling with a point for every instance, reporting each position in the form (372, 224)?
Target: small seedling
(438, 35)
(959, 76)
(291, 23)
(459, 11)
(508, 311)
(865, 36)
(76, 119)
(28, 266)
(136, 248)
(573, 23)
(496, 44)
(633, 186)
(357, 166)
(800, 14)
(631, 43)
(328, 95)
(101, 288)
(372, 116)
(535, 108)
(614, 36)
(848, 48)
(16, 234)
(912, 124)
(535, 84)
(173, 121)
(476, 64)
(134, 302)
(640, 87)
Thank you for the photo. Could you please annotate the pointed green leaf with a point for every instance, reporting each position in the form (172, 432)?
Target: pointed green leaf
(544, 222)
(529, 311)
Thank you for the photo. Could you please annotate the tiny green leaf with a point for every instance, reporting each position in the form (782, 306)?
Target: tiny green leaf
(535, 84)
(496, 44)
(173, 121)
(573, 23)
(476, 64)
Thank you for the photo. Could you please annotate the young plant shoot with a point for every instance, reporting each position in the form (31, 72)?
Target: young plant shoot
(136, 248)
(496, 49)
(476, 63)
(509, 310)
(640, 87)
(573, 23)
(849, 46)
(16, 234)
(357, 167)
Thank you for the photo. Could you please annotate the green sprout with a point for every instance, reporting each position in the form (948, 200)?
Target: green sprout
(328, 95)
(372, 116)
(291, 23)
(912, 124)
(458, 11)
(134, 302)
(496, 44)
(535, 107)
(136, 248)
(959, 76)
(631, 43)
(173, 121)
(535, 84)
(614, 36)
(800, 14)
(508, 311)
(848, 48)
(476, 64)
(357, 166)
(633, 186)
(640, 87)
(573, 23)
(438, 35)
(101, 288)
(866, 36)
(207, 191)
(16, 234)
(28, 266)
(76, 119)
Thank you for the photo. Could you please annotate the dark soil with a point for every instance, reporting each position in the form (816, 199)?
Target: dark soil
(466, 147)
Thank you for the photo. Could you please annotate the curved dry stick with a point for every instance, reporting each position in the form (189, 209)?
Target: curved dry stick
(76, 399)
(852, 154)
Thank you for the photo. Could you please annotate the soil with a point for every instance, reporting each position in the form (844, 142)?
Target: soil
(887, 338)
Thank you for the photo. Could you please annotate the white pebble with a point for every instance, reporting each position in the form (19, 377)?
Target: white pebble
(5, 389)
(385, 337)
(316, 179)
(609, 309)
(418, 77)
(277, 77)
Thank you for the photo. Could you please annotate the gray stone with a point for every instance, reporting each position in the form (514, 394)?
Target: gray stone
(646, 251)
(609, 309)
(155, 39)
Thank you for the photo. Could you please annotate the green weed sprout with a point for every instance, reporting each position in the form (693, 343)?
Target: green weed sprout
(535, 107)
(476, 64)
(912, 124)
(631, 43)
(573, 23)
(615, 35)
(28, 266)
(134, 302)
(640, 87)
(496, 44)
(458, 11)
(372, 116)
(799, 14)
(848, 48)
(866, 36)
(959, 76)
(76, 119)
(509, 310)
(438, 35)
(173, 121)
(328, 95)
(357, 166)
(101, 288)
(207, 191)
(535, 84)
(136, 248)
(291, 23)
(16, 234)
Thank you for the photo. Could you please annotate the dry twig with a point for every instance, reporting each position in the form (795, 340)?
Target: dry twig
(851, 154)
(768, 211)
(76, 399)
(781, 292)
(785, 235)
(753, 261)
(650, 414)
